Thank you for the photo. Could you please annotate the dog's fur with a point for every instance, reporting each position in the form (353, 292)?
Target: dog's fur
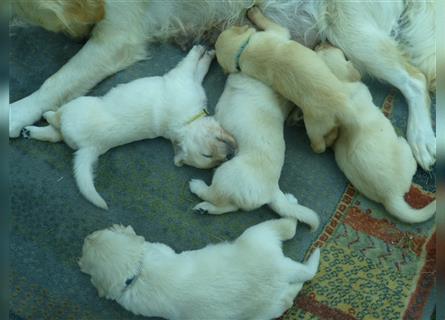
(291, 69)
(254, 114)
(369, 152)
(393, 41)
(249, 278)
(142, 109)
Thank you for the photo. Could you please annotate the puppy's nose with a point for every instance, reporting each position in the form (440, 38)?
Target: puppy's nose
(230, 155)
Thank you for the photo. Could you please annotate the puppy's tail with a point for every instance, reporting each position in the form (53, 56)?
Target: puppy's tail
(286, 205)
(84, 160)
(398, 207)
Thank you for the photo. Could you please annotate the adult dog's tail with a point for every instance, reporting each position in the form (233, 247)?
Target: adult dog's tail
(398, 207)
(84, 160)
(286, 205)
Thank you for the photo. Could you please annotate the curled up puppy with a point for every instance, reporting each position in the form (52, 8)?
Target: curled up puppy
(294, 71)
(254, 114)
(172, 106)
(248, 278)
(376, 161)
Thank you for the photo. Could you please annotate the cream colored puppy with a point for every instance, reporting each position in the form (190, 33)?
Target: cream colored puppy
(376, 161)
(293, 70)
(171, 106)
(249, 278)
(254, 114)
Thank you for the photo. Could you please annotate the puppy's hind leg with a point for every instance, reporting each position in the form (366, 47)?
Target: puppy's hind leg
(203, 65)
(47, 133)
(257, 17)
(190, 62)
(211, 205)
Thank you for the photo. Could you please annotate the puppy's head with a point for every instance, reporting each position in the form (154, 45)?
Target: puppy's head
(111, 257)
(229, 44)
(74, 17)
(204, 144)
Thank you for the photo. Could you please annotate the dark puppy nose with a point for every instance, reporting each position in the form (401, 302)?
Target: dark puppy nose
(230, 155)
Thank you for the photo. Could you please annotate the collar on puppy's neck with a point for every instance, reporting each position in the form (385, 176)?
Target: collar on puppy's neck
(240, 52)
(202, 114)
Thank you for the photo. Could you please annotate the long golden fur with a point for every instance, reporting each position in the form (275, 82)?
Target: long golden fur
(73, 17)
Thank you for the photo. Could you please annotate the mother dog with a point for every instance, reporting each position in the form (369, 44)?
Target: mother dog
(392, 41)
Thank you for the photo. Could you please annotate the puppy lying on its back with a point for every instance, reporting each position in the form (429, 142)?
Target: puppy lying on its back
(254, 114)
(171, 106)
(376, 161)
(249, 278)
(293, 70)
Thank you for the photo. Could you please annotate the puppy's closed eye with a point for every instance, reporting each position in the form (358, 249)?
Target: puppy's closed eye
(207, 155)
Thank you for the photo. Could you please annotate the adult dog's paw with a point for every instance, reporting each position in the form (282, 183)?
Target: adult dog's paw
(423, 146)
(23, 113)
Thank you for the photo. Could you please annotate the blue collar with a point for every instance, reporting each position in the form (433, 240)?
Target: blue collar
(240, 52)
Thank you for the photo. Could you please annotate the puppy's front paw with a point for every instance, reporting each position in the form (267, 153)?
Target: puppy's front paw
(291, 198)
(197, 186)
(200, 210)
(253, 12)
(198, 50)
(211, 53)
(25, 133)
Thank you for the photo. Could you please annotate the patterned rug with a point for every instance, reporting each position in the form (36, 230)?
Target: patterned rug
(372, 267)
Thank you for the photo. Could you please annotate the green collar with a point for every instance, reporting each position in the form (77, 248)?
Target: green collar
(200, 115)
(240, 52)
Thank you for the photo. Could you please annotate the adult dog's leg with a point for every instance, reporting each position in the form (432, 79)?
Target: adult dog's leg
(47, 133)
(101, 56)
(257, 17)
(377, 54)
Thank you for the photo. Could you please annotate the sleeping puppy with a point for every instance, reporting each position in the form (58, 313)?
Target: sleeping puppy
(172, 106)
(254, 114)
(248, 278)
(293, 70)
(376, 161)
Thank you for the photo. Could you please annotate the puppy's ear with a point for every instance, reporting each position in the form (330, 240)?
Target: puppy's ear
(179, 154)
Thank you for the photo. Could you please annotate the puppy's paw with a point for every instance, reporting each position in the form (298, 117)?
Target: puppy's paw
(211, 53)
(291, 198)
(25, 133)
(294, 117)
(201, 208)
(198, 50)
(197, 186)
(253, 13)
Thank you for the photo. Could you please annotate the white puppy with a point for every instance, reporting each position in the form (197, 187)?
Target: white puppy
(255, 115)
(376, 161)
(249, 278)
(172, 106)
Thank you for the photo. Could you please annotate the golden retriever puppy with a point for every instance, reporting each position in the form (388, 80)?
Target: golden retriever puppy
(249, 278)
(254, 114)
(376, 161)
(293, 70)
(171, 106)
